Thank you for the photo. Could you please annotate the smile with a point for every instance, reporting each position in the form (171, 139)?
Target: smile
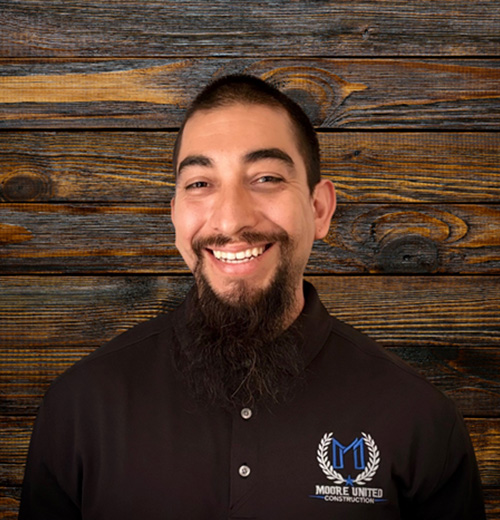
(238, 257)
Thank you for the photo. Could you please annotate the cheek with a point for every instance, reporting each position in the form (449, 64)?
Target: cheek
(186, 222)
(296, 219)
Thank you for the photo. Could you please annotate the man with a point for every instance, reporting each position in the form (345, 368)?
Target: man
(248, 401)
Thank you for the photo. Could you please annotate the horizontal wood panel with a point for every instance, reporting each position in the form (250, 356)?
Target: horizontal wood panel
(396, 238)
(85, 311)
(9, 502)
(418, 310)
(193, 27)
(469, 375)
(336, 93)
(411, 239)
(412, 167)
(485, 436)
(25, 375)
(80, 310)
(492, 503)
(123, 166)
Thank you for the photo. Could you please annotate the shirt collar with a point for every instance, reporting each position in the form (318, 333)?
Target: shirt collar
(314, 324)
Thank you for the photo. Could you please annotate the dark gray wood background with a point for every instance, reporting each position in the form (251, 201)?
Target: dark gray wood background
(406, 99)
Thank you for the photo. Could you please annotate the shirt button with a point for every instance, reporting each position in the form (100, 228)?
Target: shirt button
(246, 413)
(244, 471)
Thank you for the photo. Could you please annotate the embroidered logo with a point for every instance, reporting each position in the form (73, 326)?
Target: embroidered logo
(364, 458)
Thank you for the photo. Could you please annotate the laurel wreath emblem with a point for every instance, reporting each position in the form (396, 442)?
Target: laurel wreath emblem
(365, 476)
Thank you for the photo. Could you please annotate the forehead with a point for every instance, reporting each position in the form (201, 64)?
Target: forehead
(238, 126)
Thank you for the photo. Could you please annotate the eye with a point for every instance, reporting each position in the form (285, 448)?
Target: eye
(196, 185)
(269, 179)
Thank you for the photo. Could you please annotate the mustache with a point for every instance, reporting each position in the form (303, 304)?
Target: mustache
(250, 237)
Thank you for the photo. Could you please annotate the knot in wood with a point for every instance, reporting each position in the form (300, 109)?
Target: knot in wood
(408, 254)
(25, 186)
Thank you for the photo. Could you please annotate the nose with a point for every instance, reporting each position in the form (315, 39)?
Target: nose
(233, 211)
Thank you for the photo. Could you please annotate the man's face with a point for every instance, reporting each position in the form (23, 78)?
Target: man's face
(241, 191)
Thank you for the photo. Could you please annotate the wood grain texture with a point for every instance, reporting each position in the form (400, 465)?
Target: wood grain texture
(9, 502)
(469, 375)
(449, 311)
(394, 238)
(239, 28)
(492, 502)
(353, 93)
(124, 166)
(412, 239)
(424, 167)
(81, 311)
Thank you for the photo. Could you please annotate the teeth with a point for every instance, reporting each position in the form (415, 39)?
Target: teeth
(240, 256)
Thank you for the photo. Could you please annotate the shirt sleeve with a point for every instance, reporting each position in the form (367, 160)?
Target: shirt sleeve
(458, 492)
(50, 472)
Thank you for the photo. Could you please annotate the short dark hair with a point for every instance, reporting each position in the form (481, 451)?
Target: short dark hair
(246, 89)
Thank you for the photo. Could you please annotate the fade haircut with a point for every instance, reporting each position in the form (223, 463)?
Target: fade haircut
(246, 89)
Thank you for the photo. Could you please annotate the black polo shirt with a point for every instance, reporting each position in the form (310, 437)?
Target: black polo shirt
(118, 436)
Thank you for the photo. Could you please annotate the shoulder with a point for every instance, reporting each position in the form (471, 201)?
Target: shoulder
(133, 351)
(374, 369)
(363, 346)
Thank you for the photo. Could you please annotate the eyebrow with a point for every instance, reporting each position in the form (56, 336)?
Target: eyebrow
(249, 158)
(268, 153)
(194, 160)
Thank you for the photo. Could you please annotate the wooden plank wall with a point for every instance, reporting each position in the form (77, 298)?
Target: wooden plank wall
(406, 98)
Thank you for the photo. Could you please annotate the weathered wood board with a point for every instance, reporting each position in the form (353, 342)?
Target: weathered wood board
(130, 166)
(351, 93)
(394, 238)
(301, 28)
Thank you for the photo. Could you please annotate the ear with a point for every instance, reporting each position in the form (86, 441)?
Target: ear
(172, 210)
(324, 202)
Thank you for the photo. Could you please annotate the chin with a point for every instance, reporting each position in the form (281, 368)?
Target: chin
(238, 292)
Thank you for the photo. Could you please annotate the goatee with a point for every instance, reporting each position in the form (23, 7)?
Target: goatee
(239, 353)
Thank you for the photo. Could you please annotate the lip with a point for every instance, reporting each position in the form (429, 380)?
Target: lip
(239, 246)
(240, 254)
(242, 266)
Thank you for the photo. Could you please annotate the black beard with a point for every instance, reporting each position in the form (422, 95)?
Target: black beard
(239, 353)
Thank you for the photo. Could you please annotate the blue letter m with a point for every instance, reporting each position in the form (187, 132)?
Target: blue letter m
(358, 449)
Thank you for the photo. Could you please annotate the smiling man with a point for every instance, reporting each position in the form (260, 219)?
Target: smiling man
(248, 401)
(241, 171)
(246, 217)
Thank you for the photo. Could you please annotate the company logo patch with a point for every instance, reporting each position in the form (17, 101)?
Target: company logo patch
(336, 459)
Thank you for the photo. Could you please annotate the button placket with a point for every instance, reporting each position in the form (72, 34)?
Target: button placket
(244, 462)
